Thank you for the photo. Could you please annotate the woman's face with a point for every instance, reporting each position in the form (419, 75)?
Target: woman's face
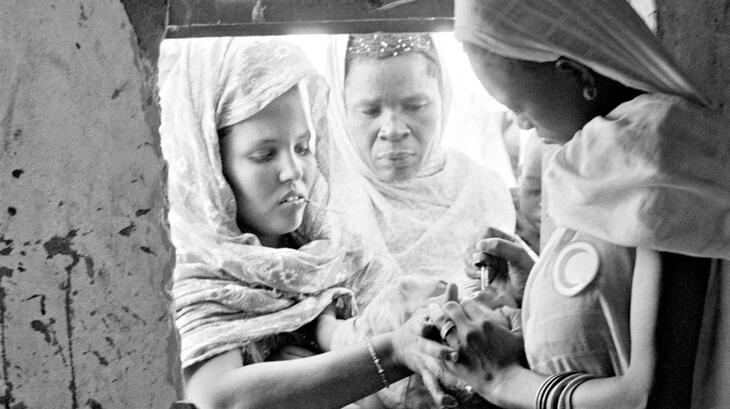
(540, 95)
(393, 112)
(268, 163)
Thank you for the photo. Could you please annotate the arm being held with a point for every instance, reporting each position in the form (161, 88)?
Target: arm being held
(491, 365)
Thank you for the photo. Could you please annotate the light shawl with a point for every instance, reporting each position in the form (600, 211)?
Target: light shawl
(428, 223)
(228, 290)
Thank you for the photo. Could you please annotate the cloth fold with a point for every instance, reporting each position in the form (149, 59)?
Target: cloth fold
(228, 290)
(657, 168)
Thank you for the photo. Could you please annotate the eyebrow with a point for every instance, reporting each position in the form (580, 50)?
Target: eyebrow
(304, 135)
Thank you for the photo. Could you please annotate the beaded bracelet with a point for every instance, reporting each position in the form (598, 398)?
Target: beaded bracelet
(378, 366)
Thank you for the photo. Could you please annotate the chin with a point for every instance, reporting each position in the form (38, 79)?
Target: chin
(288, 226)
(395, 175)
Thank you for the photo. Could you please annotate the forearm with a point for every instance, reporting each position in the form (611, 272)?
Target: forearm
(516, 388)
(329, 380)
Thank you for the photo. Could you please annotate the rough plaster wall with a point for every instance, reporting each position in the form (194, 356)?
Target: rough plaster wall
(697, 34)
(83, 248)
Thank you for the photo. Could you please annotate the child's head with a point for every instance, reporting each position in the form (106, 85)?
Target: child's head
(268, 163)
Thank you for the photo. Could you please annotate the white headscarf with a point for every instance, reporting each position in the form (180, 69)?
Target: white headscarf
(228, 289)
(427, 223)
(604, 35)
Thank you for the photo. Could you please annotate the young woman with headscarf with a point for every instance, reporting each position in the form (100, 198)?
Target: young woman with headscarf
(643, 169)
(256, 264)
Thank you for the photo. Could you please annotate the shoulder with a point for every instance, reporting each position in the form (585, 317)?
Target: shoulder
(661, 115)
(465, 168)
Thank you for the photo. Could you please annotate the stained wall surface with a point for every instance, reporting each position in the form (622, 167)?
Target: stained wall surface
(83, 250)
(697, 34)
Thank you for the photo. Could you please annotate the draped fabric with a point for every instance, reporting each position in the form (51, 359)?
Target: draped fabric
(428, 223)
(228, 290)
(657, 168)
(604, 35)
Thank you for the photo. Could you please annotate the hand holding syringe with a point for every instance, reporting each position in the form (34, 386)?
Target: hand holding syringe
(489, 268)
(505, 258)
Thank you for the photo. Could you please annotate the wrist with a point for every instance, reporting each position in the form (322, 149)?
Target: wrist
(395, 368)
(326, 327)
(497, 386)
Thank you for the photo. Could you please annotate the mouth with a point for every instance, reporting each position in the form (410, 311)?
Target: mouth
(293, 197)
(396, 155)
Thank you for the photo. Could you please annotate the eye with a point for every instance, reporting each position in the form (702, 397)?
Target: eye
(262, 156)
(302, 149)
(416, 106)
(370, 111)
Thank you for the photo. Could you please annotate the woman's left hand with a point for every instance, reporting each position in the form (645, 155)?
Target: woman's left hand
(484, 339)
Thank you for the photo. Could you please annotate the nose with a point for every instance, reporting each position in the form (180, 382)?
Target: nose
(291, 168)
(392, 128)
(523, 122)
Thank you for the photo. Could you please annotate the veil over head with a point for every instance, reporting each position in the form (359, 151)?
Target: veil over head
(229, 291)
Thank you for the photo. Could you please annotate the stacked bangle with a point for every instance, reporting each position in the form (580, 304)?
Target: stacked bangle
(556, 392)
(378, 366)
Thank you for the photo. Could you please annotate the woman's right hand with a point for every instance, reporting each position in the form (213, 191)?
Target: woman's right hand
(415, 347)
(489, 342)
(519, 259)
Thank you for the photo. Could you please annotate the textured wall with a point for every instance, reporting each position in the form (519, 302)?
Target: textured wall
(83, 248)
(697, 34)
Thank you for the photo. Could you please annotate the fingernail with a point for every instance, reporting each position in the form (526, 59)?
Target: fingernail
(453, 356)
(449, 401)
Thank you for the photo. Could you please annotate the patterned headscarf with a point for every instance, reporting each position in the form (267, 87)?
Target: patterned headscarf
(228, 289)
(428, 222)
(604, 35)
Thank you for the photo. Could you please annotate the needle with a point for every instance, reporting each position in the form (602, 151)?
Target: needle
(488, 269)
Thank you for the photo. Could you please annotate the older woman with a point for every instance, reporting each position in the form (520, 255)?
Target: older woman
(643, 168)
(255, 264)
(396, 186)
(391, 178)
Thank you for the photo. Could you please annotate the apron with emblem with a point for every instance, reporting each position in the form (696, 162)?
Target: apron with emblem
(576, 306)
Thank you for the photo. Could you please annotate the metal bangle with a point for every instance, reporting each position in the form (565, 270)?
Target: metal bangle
(378, 366)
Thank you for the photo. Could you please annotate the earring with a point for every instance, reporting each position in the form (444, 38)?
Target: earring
(590, 93)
